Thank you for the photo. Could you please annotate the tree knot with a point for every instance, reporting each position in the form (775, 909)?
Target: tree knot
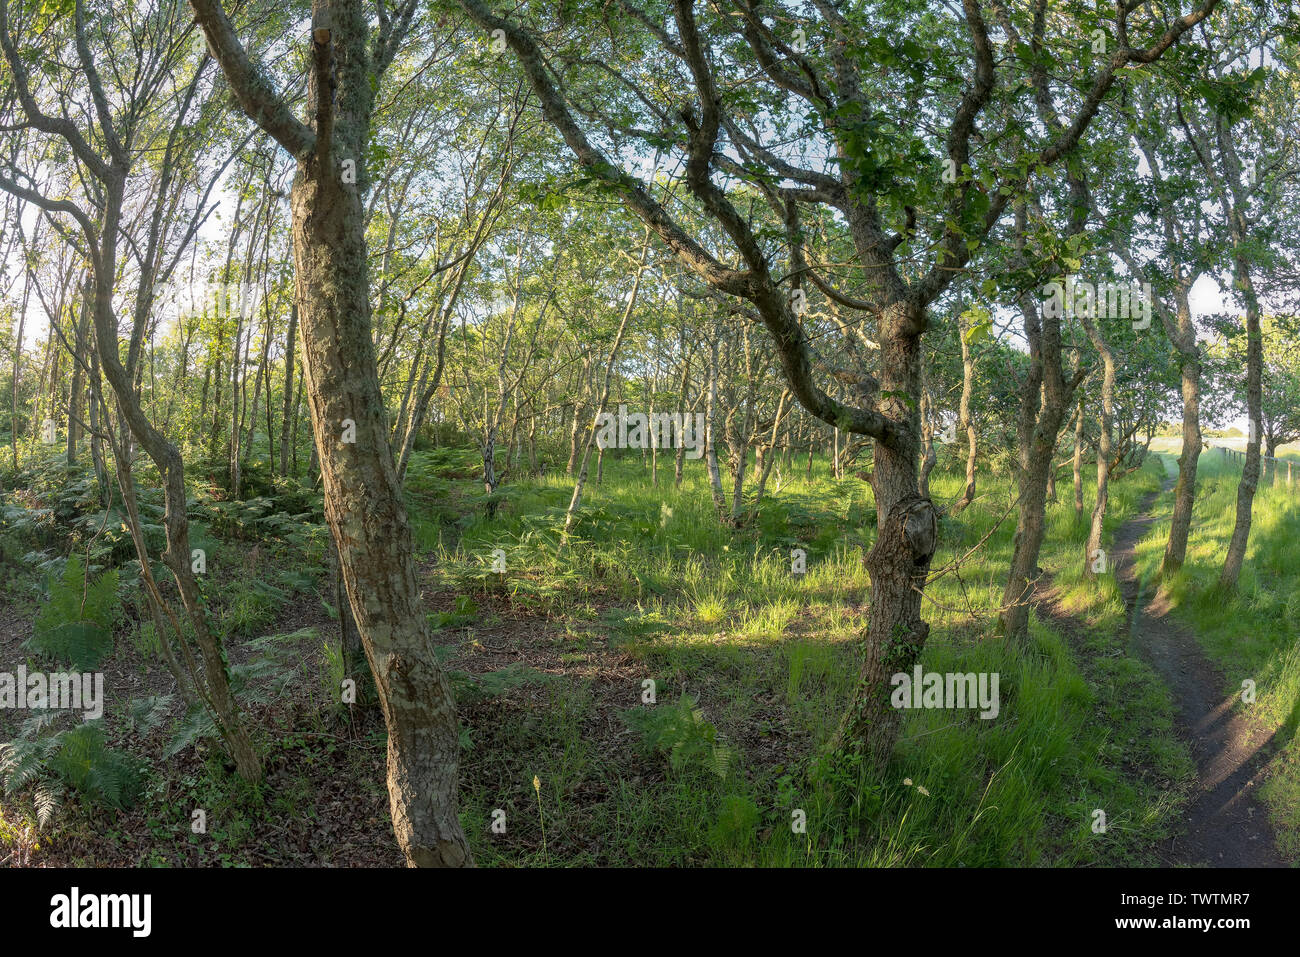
(919, 524)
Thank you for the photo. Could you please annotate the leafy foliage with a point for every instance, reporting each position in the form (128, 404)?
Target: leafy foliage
(75, 624)
(680, 733)
(76, 757)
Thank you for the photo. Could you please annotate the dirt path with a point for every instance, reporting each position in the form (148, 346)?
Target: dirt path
(1225, 825)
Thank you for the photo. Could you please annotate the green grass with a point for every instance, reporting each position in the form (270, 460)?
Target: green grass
(770, 658)
(752, 666)
(1252, 634)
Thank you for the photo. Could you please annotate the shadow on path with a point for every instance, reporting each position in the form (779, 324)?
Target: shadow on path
(1225, 826)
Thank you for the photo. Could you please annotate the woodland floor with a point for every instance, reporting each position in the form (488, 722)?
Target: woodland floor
(572, 680)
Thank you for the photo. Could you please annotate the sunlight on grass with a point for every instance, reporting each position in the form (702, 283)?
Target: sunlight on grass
(772, 657)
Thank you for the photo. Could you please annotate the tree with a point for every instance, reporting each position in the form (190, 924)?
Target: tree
(1220, 130)
(363, 496)
(104, 158)
(820, 124)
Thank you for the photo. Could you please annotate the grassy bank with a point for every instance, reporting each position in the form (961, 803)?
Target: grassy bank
(1252, 634)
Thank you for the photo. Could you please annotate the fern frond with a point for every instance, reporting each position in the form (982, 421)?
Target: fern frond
(145, 714)
(47, 800)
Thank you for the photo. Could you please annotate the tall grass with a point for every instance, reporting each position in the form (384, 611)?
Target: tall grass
(1251, 634)
(771, 658)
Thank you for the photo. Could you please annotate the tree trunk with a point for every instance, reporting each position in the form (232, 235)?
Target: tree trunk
(351, 647)
(490, 479)
(1078, 463)
(363, 496)
(906, 537)
(928, 455)
(1180, 522)
(1035, 463)
(74, 394)
(767, 458)
(1236, 554)
(96, 444)
(679, 456)
(710, 439)
(1044, 398)
(290, 341)
(1092, 560)
(739, 448)
(967, 422)
(571, 515)
(18, 361)
(214, 685)
(579, 406)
